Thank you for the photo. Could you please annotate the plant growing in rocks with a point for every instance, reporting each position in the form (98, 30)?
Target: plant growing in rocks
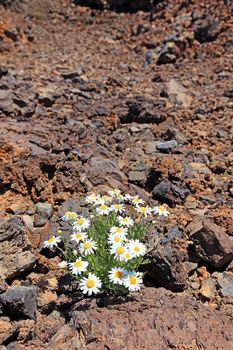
(105, 250)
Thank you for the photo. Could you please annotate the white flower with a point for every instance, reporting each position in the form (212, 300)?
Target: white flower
(116, 275)
(144, 210)
(136, 200)
(136, 247)
(126, 221)
(62, 265)
(127, 256)
(78, 266)
(118, 208)
(105, 199)
(128, 197)
(90, 285)
(116, 238)
(114, 193)
(103, 209)
(132, 281)
(118, 230)
(92, 198)
(118, 251)
(78, 237)
(81, 224)
(88, 247)
(161, 211)
(69, 216)
(52, 242)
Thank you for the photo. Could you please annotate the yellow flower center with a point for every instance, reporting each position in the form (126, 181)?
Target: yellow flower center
(143, 209)
(79, 235)
(136, 249)
(162, 209)
(120, 250)
(118, 274)
(118, 229)
(127, 255)
(78, 263)
(80, 221)
(87, 245)
(125, 219)
(51, 239)
(117, 239)
(118, 206)
(133, 280)
(105, 197)
(136, 200)
(68, 213)
(90, 283)
(103, 207)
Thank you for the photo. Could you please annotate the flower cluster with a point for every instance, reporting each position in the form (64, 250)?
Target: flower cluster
(103, 252)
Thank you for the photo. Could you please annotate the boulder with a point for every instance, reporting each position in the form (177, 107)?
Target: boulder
(210, 242)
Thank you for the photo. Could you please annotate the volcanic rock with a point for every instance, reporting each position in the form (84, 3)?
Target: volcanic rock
(20, 301)
(211, 243)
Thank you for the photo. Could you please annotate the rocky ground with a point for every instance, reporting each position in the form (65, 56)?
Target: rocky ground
(91, 100)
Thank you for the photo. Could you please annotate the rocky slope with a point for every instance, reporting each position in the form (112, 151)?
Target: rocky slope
(91, 100)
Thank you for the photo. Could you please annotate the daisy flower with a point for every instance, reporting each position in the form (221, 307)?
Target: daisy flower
(79, 236)
(114, 193)
(92, 198)
(161, 211)
(103, 209)
(69, 216)
(116, 238)
(136, 248)
(144, 210)
(132, 281)
(105, 199)
(118, 208)
(128, 197)
(88, 247)
(62, 265)
(81, 224)
(118, 230)
(52, 242)
(118, 251)
(90, 285)
(127, 256)
(136, 200)
(78, 266)
(116, 275)
(126, 221)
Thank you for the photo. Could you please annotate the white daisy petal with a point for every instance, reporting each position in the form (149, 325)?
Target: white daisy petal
(116, 275)
(136, 248)
(103, 209)
(78, 266)
(52, 242)
(88, 247)
(90, 285)
(161, 211)
(132, 281)
(125, 221)
(145, 211)
(81, 224)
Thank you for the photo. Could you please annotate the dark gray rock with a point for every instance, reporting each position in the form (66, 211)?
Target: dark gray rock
(137, 177)
(167, 146)
(226, 284)
(20, 302)
(167, 265)
(211, 243)
(166, 192)
(144, 110)
(15, 254)
(43, 213)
